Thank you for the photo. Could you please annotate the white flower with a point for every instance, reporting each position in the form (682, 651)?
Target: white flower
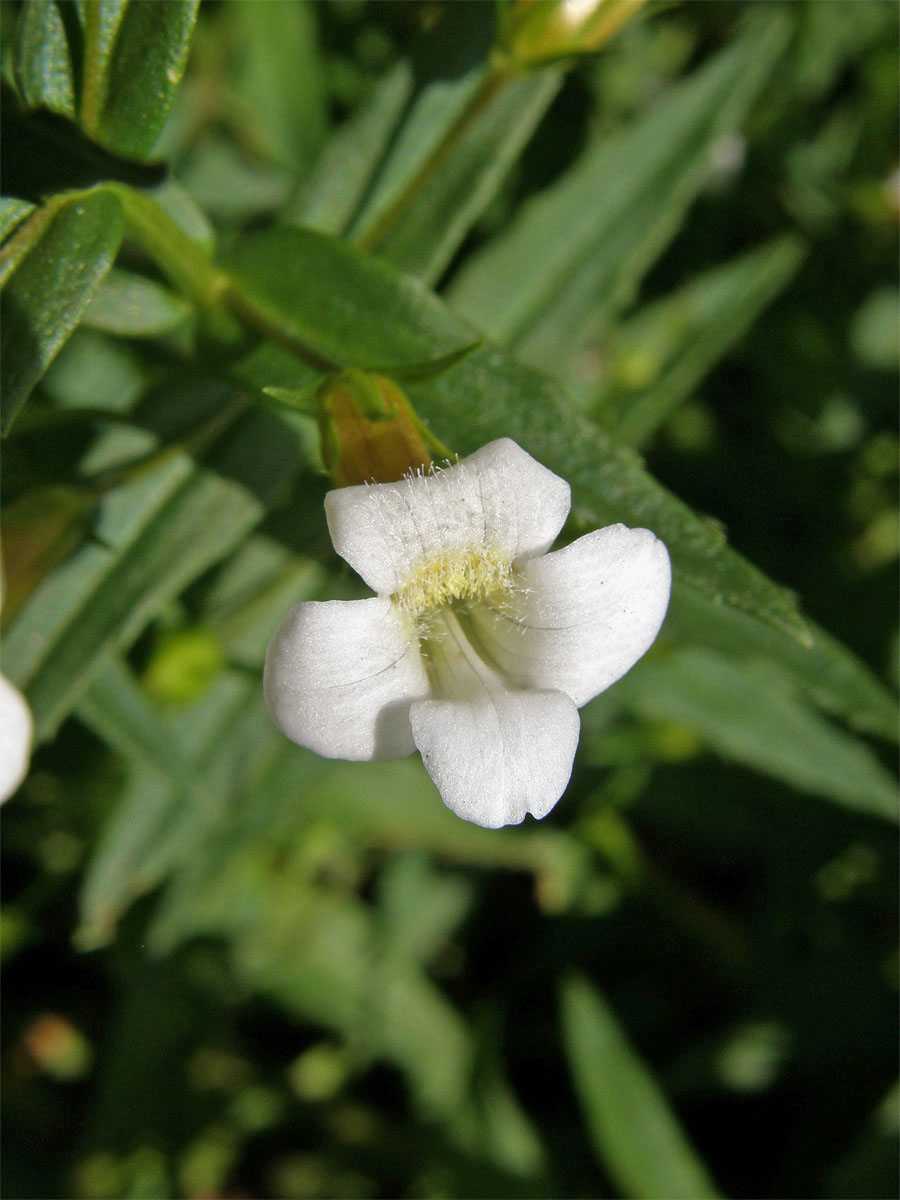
(480, 647)
(15, 733)
(15, 738)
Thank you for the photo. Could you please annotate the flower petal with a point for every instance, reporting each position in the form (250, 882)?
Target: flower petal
(585, 615)
(15, 738)
(499, 497)
(340, 677)
(500, 756)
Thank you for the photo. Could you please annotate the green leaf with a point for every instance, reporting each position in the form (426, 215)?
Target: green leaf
(662, 354)
(748, 714)
(493, 1127)
(135, 56)
(312, 952)
(422, 372)
(12, 213)
(134, 852)
(824, 669)
(240, 783)
(94, 373)
(158, 533)
(634, 1132)
(576, 253)
(232, 189)
(172, 803)
(253, 591)
(50, 287)
(122, 714)
(419, 907)
(192, 221)
(330, 196)
(396, 806)
(302, 400)
(131, 305)
(355, 311)
(457, 145)
(278, 77)
(43, 58)
(875, 332)
(31, 227)
(348, 309)
(240, 871)
(100, 20)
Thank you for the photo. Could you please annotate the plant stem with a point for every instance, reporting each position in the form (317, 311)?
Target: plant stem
(27, 233)
(256, 314)
(193, 273)
(91, 97)
(185, 265)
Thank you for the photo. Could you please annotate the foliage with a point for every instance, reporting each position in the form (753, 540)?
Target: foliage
(234, 968)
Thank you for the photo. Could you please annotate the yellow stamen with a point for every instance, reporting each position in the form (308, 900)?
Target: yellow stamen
(461, 577)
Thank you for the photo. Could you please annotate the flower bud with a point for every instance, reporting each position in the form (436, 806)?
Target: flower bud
(369, 431)
(535, 32)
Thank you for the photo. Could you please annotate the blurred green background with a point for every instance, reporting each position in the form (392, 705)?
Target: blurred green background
(233, 969)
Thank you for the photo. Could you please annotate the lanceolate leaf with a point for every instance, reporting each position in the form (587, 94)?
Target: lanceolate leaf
(435, 111)
(116, 708)
(12, 213)
(51, 286)
(673, 343)
(634, 1132)
(824, 669)
(159, 532)
(100, 20)
(747, 713)
(135, 55)
(422, 236)
(133, 306)
(330, 196)
(279, 77)
(168, 804)
(134, 851)
(576, 252)
(43, 59)
(464, 130)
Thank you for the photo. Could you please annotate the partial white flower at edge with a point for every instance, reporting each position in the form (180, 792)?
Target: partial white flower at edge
(15, 738)
(480, 647)
(16, 728)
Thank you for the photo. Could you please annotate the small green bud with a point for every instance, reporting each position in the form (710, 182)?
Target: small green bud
(369, 430)
(183, 665)
(535, 32)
